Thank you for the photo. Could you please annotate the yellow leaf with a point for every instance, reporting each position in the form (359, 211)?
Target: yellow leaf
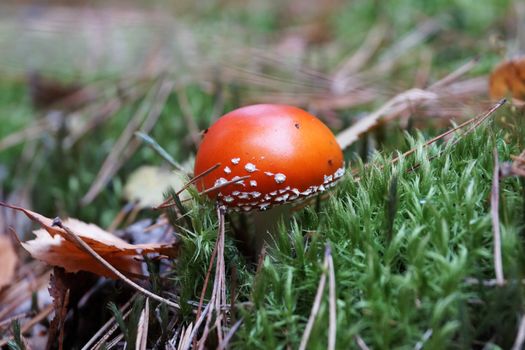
(147, 184)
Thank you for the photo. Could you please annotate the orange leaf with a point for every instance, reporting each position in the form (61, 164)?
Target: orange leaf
(8, 260)
(508, 78)
(53, 246)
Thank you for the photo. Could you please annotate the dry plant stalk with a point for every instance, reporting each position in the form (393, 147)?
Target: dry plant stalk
(22, 289)
(332, 326)
(43, 314)
(520, 337)
(142, 331)
(109, 327)
(186, 339)
(402, 102)
(494, 211)
(327, 268)
(126, 145)
(218, 299)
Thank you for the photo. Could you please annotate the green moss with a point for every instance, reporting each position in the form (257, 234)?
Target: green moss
(392, 293)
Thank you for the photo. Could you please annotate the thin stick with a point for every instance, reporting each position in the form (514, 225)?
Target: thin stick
(114, 341)
(85, 247)
(224, 344)
(426, 336)
(315, 306)
(206, 280)
(109, 323)
(8, 321)
(121, 215)
(395, 105)
(145, 119)
(494, 211)
(455, 74)
(218, 295)
(32, 132)
(106, 336)
(476, 120)
(361, 343)
(27, 326)
(332, 326)
(182, 335)
(520, 337)
(196, 327)
(224, 184)
(167, 203)
(187, 114)
(142, 331)
(359, 58)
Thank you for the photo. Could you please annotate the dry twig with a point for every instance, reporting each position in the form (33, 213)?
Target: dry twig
(494, 211)
(317, 303)
(218, 295)
(27, 326)
(142, 328)
(361, 343)
(108, 325)
(520, 336)
(332, 326)
(126, 145)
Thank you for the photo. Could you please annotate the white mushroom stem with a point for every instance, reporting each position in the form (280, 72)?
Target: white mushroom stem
(266, 223)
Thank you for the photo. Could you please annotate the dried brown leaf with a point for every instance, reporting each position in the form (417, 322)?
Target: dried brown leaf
(8, 260)
(508, 78)
(53, 246)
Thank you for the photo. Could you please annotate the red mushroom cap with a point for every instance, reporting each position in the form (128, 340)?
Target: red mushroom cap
(288, 153)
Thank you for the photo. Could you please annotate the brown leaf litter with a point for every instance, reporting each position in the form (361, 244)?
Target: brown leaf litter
(54, 246)
(8, 261)
(508, 79)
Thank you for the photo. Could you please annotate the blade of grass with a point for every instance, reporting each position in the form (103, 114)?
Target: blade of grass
(160, 150)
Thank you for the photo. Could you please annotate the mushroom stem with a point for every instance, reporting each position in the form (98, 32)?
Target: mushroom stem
(266, 223)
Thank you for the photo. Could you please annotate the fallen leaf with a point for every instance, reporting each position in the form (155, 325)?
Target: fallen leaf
(147, 185)
(508, 78)
(46, 93)
(8, 260)
(52, 246)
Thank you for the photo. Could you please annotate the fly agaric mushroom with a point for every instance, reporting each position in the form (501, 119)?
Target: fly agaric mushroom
(288, 154)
